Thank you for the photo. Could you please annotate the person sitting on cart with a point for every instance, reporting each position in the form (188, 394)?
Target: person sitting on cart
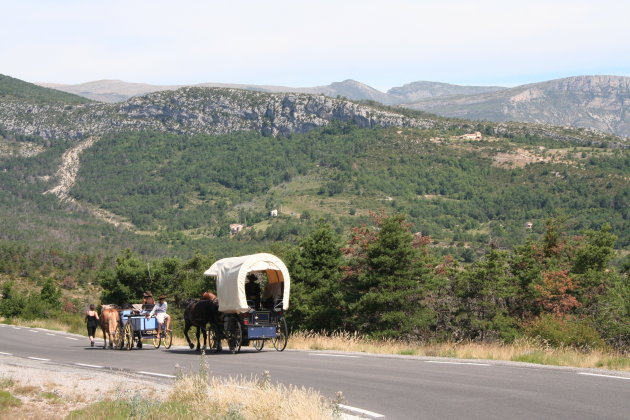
(159, 310)
(272, 295)
(147, 301)
(252, 290)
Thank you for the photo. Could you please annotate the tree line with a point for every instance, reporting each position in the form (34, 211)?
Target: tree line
(384, 281)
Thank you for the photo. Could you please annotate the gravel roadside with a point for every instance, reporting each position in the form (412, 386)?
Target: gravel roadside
(51, 391)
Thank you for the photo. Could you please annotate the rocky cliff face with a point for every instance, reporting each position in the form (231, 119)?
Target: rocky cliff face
(197, 110)
(597, 102)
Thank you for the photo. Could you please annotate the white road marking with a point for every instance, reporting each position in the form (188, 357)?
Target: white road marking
(361, 411)
(158, 374)
(50, 334)
(458, 363)
(332, 355)
(6, 354)
(86, 365)
(72, 338)
(33, 331)
(604, 376)
(16, 328)
(38, 358)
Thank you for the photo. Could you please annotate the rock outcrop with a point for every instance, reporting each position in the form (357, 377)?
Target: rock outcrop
(198, 110)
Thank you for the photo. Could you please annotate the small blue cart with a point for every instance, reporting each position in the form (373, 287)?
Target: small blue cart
(134, 327)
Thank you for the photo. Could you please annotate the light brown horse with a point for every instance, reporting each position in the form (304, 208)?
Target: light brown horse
(109, 323)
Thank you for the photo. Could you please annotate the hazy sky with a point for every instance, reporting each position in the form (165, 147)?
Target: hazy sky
(383, 43)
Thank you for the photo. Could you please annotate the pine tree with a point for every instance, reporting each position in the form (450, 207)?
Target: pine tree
(316, 289)
(392, 287)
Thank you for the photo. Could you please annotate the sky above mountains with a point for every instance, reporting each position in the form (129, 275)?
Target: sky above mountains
(300, 43)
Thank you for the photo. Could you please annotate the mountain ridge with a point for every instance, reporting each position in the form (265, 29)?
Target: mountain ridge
(598, 102)
(117, 90)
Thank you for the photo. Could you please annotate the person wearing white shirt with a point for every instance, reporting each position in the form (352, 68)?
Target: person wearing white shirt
(159, 310)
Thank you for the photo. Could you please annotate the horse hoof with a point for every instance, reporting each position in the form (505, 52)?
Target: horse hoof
(192, 346)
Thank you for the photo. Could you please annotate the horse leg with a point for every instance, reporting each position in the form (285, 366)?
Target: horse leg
(104, 337)
(197, 332)
(205, 337)
(186, 329)
(217, 338)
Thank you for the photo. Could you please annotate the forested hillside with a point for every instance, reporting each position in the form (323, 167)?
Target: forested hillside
(463, 193)
(18, 89)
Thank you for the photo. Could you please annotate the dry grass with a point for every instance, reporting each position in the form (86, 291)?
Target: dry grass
(253, 398)
(196, 396)
(523, 350)
(49, 324)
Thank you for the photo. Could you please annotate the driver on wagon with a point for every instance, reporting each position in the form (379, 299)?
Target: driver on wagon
(160, 314)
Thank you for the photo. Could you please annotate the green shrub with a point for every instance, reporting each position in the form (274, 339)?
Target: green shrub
(557, 331)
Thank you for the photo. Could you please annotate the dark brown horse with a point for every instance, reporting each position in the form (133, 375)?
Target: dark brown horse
(200, 313)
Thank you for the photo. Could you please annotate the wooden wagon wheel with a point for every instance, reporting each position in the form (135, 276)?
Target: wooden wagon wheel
(282, 334)
(258, 344)
(157, 341)
(235, 335)
(128, 334)
(119, 339)
(167, 337)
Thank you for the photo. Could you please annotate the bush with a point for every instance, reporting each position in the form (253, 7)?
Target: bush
(559, 331)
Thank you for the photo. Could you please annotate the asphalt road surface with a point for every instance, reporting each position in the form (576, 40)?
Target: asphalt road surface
(390, 387)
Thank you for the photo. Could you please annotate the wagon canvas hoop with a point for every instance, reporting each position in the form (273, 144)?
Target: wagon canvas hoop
(231, 275)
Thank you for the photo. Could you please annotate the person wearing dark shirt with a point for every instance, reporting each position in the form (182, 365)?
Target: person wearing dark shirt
(91, 319)
(252, 291)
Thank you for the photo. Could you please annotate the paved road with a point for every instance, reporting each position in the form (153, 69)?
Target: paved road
(396, 387)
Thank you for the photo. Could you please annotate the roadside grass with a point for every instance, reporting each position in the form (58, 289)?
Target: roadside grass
(67, 323)
(521, 350)
(195, 395)
(7, 401)
(192, 395)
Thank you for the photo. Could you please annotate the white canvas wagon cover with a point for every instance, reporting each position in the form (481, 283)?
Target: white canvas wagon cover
(232, 272)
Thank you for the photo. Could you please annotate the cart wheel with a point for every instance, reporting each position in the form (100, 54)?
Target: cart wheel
(128, 336)
(157, 341)
(214, 340)
(235, 336)
(282, 334)
(119, 339)
(167, 338)
(258, 344)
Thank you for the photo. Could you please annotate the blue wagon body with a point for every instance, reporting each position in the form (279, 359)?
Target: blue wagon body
(135, 327)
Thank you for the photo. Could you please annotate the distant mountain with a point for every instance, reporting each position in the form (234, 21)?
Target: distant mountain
(11, 88)
(108, 90)
(597, 102)
(117, 91)
(416, 91)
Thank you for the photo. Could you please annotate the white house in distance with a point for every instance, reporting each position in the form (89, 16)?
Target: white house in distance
(472, 136)
(273, 213)
(236, 228)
